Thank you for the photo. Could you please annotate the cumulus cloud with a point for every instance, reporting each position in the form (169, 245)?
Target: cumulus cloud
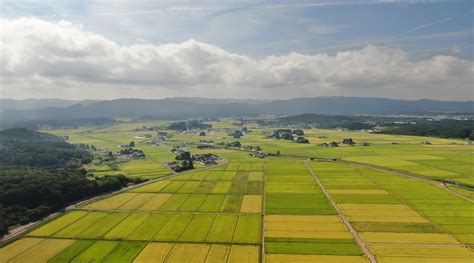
(39, 56)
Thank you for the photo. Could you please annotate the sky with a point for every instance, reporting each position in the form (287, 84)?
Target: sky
(103, 49)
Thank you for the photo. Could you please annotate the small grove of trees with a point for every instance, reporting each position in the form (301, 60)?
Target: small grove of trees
(302, 139)
(348, 141)
(461, 129)
(128, 151)
(184, 162)
(189, 125)
(235, 144)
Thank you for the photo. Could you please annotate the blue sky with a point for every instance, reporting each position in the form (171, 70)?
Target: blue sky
(387, 48)
(261, 28)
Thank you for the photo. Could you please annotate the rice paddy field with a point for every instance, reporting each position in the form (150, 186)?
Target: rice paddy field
(275, 209)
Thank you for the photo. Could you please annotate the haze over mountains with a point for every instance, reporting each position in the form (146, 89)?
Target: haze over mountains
(35, 110)
(32, 104)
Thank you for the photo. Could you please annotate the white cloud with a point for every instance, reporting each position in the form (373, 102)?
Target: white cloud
(40, 58)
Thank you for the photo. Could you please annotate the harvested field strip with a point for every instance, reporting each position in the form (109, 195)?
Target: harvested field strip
(222, 230)
(43, 251)
(16, 248)
(151, 188)
(149, 227)
(68, 254)
(96, 252)
(112, 202)
(136, 202)
(188, 253)
(80, 225)
(155, 202)
(421, 238)
(281, 258)
(154, 252)
(248, 254)
(251, 204)
(58, 224)
(127, 226)
(124, 252)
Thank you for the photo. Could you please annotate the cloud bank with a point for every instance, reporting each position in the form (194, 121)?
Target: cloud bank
(61, 59)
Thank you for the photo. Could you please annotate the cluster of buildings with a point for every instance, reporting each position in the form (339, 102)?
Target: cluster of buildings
(206, 159)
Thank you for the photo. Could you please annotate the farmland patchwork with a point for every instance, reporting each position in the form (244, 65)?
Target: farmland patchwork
(276, 209)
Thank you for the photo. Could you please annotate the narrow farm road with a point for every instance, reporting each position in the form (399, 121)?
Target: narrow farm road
(361, 243)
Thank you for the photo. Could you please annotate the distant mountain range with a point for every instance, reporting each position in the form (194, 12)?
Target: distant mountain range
(34, 110)
(32, 104)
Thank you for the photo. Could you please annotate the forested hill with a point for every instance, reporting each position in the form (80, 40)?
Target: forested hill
(40, 173)
(25, 148)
